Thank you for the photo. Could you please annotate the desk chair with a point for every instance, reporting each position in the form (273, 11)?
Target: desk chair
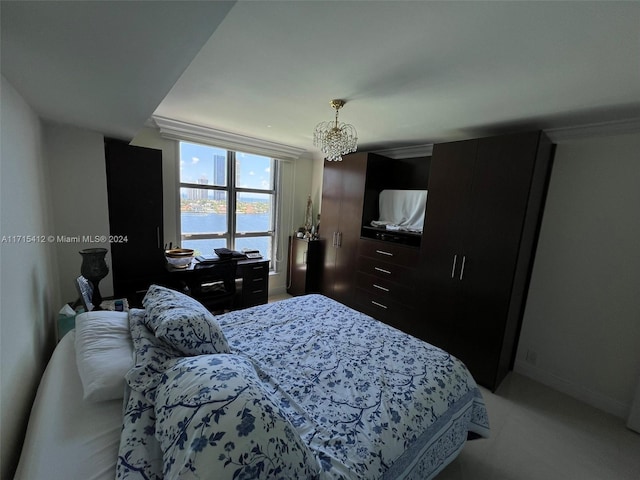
(215, 287)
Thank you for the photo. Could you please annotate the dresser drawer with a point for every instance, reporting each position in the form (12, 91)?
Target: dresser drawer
(385, 270)
(400, 316)
(386, 289)
(389, 252)
(255, 284)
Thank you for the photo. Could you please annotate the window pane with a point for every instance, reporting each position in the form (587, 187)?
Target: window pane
(204, 247)
(253, 212)
(263, 244)
(203, 210)
(254, 171)
(203, 165)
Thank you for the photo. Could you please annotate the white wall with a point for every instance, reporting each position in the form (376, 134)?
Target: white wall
(582, 319)
(28, 282)
(79, 193)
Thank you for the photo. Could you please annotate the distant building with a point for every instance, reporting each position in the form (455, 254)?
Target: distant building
(219, 165)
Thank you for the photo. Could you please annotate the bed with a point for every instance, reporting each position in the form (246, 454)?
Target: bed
(301, 388)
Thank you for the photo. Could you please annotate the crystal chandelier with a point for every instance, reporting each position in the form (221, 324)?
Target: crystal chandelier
(335, 139)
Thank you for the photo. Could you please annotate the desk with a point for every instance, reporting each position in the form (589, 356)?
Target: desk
(254, 275)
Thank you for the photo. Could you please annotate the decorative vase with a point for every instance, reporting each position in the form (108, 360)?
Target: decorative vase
(94, 268)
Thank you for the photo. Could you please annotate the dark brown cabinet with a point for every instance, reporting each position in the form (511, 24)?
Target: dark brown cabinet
(342, 201)
(483, 213)
(134, 186)
(304, 266)
(255, 283)
(386, 283)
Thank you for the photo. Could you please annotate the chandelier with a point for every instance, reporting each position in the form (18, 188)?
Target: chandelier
(335, 139)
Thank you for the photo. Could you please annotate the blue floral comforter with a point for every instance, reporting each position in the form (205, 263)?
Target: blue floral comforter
(309, 389)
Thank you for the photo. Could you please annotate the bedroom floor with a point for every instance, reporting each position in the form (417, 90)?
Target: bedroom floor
(538, 433)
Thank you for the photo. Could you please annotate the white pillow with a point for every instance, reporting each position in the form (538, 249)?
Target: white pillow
(104, 354)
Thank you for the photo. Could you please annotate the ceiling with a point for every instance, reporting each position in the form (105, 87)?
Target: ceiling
(411, 72)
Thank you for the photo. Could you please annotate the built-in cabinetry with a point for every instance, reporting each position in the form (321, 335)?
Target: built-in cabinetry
(386, 283)
(304, 266)
(349, 202)
(134, 186)
(462, 284)
(483, 213)
(342, 202)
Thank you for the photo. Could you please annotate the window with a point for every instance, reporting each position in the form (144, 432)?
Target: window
(227, 199)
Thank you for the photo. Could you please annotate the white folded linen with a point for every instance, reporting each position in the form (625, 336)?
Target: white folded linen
(402, 210)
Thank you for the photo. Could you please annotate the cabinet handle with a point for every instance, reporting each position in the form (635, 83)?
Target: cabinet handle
(382, 252)
(257, 291)
(257, 279)
(453, 267)
(382, 270)
(334, 242)
(339, 239)
(258, 268)
(379, 305)
(304, 257)
(381, 288)
(464, 259)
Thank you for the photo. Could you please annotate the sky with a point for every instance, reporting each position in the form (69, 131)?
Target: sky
(196, 161)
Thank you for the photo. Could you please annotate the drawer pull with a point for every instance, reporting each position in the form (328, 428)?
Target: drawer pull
(382, 252)
(258, 268)
(257, 291)
(381, 288)
(257, 279)
(379, 305)
(382, 270)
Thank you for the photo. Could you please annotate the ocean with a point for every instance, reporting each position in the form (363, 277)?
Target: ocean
(217, 222)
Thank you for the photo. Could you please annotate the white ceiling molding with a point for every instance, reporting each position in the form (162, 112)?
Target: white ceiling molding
(556, 135)
(407, 152)
(617, 127)
(177, 130)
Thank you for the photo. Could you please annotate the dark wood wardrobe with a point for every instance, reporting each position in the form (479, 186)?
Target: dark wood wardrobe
(483, 214)
(134, 186)
(343, 188)
(462, 285)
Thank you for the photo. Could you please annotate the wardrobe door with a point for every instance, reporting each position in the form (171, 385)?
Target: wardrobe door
(442, 254)
(330, 223)
(134, 186)
(352, 171)
(498, 253)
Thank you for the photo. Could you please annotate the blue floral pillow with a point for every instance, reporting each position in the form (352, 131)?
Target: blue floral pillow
(183, 322)
(150, 356)
(214, 418)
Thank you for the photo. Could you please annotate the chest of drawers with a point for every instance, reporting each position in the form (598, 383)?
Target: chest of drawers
(386, 282)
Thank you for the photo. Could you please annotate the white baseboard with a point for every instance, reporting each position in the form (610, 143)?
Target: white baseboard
(595, 399)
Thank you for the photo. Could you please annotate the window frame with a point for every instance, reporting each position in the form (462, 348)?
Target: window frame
(232, 190)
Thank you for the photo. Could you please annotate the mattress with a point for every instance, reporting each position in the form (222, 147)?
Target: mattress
(68, 438)
(341, 395)
(305, 388)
